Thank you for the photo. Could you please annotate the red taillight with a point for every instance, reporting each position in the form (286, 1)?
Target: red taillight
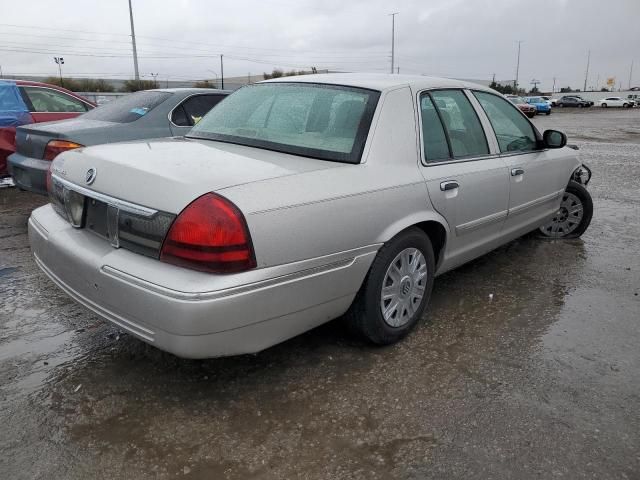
(211, 235)
(56, 147)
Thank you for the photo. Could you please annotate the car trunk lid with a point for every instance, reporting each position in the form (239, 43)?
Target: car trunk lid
(31, 140)
(168, 174)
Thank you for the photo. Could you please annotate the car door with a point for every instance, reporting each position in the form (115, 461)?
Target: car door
(537, 177)
(47, 104)
(191, 110)
(467, 181)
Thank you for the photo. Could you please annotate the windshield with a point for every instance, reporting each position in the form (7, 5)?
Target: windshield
(129, 108)
(328, 122)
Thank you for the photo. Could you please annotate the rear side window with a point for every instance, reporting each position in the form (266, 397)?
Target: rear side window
(49, 100)
(129, 108)
(512, 129)
(193, 109)
(463, 128)
(434, 138)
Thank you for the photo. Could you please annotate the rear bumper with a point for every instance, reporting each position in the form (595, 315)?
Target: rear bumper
(29, 173)
(193, 314)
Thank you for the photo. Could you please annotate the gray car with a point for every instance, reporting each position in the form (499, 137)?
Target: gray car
(297, 201)
(140, 115)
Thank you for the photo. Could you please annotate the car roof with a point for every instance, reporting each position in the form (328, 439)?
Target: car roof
(380, 81)
(191, 90)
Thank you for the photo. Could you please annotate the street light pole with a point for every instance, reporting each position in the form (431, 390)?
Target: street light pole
(515, 82)
(60, 62)
(221, 73)
(630, 74)
(586, 74)
(155, 81)
(133, 42)
(393, 39)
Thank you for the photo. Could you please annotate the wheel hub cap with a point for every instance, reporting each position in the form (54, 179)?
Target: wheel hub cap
(566, 219)
(403, 287)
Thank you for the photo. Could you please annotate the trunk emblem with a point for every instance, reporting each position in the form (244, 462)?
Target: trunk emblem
(90, 176)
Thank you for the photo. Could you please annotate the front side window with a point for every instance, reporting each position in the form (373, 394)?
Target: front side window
(512, 129)
(128, 108)
(328, 122)
(463, 128)
(48, 100)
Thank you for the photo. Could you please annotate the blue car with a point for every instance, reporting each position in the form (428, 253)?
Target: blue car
(542, 105)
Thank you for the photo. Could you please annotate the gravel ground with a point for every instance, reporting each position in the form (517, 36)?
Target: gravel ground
(542, 381)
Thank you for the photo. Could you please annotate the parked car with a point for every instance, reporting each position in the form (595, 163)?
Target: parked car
(616, 102)
(140, 115)
(297, 201)
(542, 106)
(23, 103)
(521, 103)
(572, 101)
(635, 98)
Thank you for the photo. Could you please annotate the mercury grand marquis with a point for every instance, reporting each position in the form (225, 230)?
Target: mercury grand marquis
(297, 201)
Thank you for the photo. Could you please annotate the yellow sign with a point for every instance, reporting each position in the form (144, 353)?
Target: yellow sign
(611, 81)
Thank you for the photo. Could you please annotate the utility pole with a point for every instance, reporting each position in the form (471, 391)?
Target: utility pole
(393, 39)
(630, 74)
(515, 82)
(133, 42)
(60, 62)
(586, 74)
(221, 73)
(553, 89)
(1, 75)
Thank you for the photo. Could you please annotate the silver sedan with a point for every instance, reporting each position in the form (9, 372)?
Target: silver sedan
(297, 201)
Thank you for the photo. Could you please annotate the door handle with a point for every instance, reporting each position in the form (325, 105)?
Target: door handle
(517, 171)
(449, 185)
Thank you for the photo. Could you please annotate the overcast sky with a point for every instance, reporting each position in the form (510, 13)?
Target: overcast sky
(455, 38)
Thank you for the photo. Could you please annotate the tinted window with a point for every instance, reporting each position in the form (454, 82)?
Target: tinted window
(179, 117)
(463, 127)
(433, 136)
(129, 108)
(512, 129)
(198, 106)
(323, 121)
(48, 100)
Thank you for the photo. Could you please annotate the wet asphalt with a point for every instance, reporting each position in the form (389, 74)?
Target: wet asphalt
(540, 381)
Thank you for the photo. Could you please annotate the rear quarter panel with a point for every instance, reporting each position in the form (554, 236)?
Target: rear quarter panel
(338, 209)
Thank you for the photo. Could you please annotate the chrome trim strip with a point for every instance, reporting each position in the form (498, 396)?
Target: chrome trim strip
(240, 289)
(114, 202)
(534, 203)
(481, 222)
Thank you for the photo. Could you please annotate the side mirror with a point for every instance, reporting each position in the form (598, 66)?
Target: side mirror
(554, 139)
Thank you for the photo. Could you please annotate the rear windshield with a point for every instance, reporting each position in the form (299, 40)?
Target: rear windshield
(129, 108)
(536, 100)
(328, 122)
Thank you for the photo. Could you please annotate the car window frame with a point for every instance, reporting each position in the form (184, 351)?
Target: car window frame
(489, 135)
(540, 146)
(25, 96)
(199, 94)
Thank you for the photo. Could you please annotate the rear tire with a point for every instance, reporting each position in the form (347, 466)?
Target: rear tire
(574, 215)
(548, 112)
(404, 268)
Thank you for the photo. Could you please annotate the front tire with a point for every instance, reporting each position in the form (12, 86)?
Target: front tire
(396, 290)
(548, 112)
(604, 105)
(574, 215)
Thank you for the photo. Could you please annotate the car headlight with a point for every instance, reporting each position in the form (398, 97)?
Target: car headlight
(582, 174)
